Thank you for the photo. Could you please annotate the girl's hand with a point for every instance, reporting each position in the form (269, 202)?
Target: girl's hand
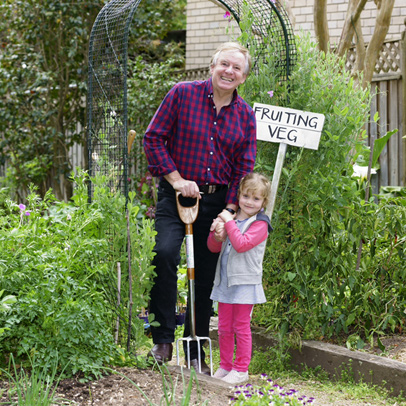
(220, 233)
(215, 222)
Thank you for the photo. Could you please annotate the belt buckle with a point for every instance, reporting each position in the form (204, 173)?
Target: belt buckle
(212, 189)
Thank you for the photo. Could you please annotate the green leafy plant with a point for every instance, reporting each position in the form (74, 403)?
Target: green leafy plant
(59, 262)
(42, 80)
(5, 304)
(182, 292)
(322, 223)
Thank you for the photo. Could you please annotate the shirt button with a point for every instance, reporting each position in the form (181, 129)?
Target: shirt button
(211, 138)
(211, 152)
(208, 169)
(215, 123)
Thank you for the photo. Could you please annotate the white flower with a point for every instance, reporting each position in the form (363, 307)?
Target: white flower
(361, 171)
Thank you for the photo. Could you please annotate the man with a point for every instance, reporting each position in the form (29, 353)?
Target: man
(200, 142)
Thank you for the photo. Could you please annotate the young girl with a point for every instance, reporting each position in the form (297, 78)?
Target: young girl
(241, 240)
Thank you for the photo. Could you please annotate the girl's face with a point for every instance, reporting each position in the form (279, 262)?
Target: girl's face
(250, 203)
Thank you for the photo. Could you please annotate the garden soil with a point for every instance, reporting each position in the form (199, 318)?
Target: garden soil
(136, 387)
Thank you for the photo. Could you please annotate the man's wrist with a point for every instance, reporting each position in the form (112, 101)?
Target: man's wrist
(230, 210)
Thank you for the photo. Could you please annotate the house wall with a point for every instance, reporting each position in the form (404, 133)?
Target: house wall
(206, 25)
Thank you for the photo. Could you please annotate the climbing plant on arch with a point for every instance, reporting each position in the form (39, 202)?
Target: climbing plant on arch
(107, 132)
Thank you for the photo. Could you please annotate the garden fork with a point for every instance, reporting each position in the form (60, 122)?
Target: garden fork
(188, 215)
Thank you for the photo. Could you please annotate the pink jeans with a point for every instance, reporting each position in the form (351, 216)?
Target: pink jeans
(235, 321)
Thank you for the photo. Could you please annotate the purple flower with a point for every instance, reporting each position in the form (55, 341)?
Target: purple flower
(270, 93)
(227, 14)
(23, 212)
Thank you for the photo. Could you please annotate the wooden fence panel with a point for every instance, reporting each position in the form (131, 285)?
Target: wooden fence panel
(382, 129)
(393, 123)
(388, 103)
(373, 131)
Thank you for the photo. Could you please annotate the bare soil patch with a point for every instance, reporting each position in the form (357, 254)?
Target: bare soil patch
(136, 387)
(395, 348)
(146, 388)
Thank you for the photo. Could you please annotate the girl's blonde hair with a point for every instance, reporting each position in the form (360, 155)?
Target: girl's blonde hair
(256, 183)
(232, 46)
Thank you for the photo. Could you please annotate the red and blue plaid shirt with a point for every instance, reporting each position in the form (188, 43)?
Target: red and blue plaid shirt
(187, 135)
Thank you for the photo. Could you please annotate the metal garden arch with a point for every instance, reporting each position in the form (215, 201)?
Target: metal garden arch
(107, 132)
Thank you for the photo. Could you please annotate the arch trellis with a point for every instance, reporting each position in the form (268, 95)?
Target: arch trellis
(107, 133)
(270, 20)
(107, 94)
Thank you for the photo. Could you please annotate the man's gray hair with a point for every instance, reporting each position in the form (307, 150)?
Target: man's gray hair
(232, 46)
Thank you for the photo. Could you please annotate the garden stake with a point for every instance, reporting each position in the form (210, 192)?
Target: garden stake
(131, 137)
(188, 215)
(118, 299)
(130, 281)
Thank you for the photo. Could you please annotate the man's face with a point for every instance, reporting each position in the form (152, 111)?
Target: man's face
(228, 73)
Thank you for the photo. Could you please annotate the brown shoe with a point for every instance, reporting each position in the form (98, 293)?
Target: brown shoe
(161, 352)
(205, 369)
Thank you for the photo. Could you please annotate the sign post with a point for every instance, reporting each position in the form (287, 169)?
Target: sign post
(286, 127)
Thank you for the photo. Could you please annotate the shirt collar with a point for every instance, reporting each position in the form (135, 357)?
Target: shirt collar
(209, 87)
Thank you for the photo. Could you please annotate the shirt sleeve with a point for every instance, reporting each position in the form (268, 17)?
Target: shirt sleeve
(158, 133)
(244, 158)
(256, 233)
(212, 244)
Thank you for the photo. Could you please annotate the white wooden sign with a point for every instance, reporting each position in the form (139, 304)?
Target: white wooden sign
(288, 126)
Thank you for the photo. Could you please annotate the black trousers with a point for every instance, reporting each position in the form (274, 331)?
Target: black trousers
(170, 234)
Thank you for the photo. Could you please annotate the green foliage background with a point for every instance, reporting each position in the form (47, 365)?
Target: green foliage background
(43, 81)
(60, 263)
(321, 218)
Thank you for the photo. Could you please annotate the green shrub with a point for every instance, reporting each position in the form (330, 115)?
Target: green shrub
(313, 283)
(59, 261)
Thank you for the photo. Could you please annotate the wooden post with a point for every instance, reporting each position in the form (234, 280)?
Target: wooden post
(275, 179)
(403, 104)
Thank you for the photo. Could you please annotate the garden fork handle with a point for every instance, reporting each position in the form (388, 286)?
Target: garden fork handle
(188, 215)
